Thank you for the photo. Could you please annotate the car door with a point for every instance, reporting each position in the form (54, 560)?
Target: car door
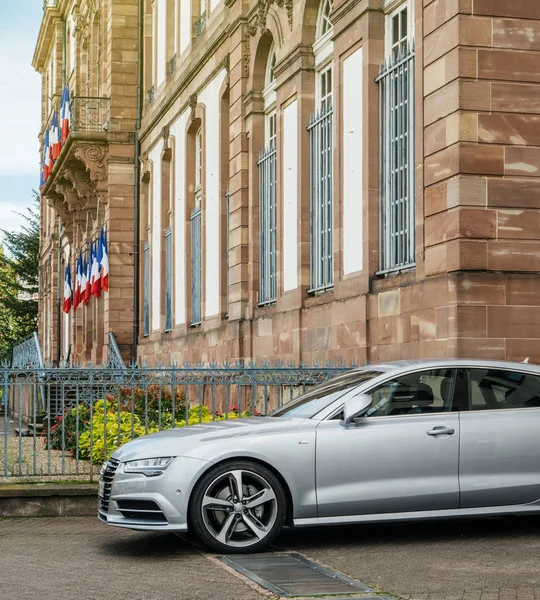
(500, 439)
(403, 456)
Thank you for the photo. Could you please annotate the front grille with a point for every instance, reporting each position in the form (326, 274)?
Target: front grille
(107, 477)
(141, 510)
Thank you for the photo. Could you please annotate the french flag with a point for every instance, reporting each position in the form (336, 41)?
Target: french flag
(67, 290)
(65, 115)
(49, 164)
(104, 262)
(95, 276)
(42, 174)
(85, 287)
(78, 282)
(54, 138)
(45, 157)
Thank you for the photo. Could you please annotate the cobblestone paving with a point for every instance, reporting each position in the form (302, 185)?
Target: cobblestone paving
(488, 559)
(60, 559)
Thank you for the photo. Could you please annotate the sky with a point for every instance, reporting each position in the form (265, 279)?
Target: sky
(20, 112)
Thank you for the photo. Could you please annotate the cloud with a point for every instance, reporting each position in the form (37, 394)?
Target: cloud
(20, 106)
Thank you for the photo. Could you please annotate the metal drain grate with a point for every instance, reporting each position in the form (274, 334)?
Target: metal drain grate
(292, 575)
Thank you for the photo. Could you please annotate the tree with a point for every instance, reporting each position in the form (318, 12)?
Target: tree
(19, 280)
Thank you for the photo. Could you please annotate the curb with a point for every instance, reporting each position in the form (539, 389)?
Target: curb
(48, 500)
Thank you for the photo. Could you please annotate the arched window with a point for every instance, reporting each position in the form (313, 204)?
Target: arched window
(323, 23)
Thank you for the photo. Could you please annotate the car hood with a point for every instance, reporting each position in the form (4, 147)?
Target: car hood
(184, 441)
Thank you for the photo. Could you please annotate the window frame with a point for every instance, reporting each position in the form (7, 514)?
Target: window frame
(332, 412)
(392, 9)
(468, 406)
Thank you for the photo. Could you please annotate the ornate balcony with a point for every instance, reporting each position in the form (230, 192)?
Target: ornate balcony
(78, 182)
(90, 114)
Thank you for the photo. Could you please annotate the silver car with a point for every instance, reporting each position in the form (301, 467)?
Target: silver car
(404, 440)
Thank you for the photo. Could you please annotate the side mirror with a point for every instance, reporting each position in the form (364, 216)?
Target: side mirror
(355, 407)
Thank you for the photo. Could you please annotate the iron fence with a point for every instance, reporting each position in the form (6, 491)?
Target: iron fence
(267, 224)
(115, 356)
(27, 353)
(90, 114)
(396, 126)
(67, 422)
(321, 200)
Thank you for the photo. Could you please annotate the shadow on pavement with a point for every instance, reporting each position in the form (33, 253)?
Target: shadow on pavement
(146, 545)
(421, 532)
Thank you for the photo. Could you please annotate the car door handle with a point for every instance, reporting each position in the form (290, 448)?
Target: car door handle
(441, 431)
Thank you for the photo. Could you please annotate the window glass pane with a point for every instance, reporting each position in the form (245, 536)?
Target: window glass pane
(424, 392)
(312, 402)
(495, 389)
(404, 24)
(395, 29)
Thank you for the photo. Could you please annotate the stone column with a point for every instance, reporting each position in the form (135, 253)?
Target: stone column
(482, 166)
(239, 172)
(119, 198)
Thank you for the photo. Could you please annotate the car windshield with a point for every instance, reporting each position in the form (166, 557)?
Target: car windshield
(309, 404)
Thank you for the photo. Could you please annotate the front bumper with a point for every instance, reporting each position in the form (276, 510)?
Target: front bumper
(134, 501)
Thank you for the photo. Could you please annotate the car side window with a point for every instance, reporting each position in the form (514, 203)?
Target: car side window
(497, 389)
(423, 392)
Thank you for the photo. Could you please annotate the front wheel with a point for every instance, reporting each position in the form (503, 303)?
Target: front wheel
(238, 507)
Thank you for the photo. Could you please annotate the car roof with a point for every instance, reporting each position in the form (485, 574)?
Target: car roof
(411, 365)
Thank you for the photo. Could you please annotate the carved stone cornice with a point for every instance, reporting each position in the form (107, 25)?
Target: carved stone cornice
(94, 158)
(57, 202)
(66, 189)
(263, 6)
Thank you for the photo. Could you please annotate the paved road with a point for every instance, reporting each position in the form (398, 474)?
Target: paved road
(459, 560)
(492, 559)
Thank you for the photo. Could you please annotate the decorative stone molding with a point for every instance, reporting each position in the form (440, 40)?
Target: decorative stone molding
(94, 158)
(246, 56)
(263, 6)
(145, 168)
(66, 189)
(226, 63)
(192, 106)
(57, 202)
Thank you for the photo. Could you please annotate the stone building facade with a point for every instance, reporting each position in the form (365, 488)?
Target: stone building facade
(89, 47)
(318, 179)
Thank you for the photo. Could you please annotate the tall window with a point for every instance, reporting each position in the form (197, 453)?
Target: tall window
(321, 158)
(267, 191)
(396, 90)
(196, 236)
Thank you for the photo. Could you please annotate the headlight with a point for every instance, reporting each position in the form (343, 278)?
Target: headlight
(151, 467)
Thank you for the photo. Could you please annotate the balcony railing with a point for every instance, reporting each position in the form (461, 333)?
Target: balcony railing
(90, 114)
(200, 25)
(50, 4)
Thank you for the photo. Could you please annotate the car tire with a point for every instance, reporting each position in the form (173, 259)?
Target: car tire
(237, 507)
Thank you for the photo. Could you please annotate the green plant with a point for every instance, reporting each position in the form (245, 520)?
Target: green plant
(108, 430)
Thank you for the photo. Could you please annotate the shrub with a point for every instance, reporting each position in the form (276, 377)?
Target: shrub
(131, 413)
